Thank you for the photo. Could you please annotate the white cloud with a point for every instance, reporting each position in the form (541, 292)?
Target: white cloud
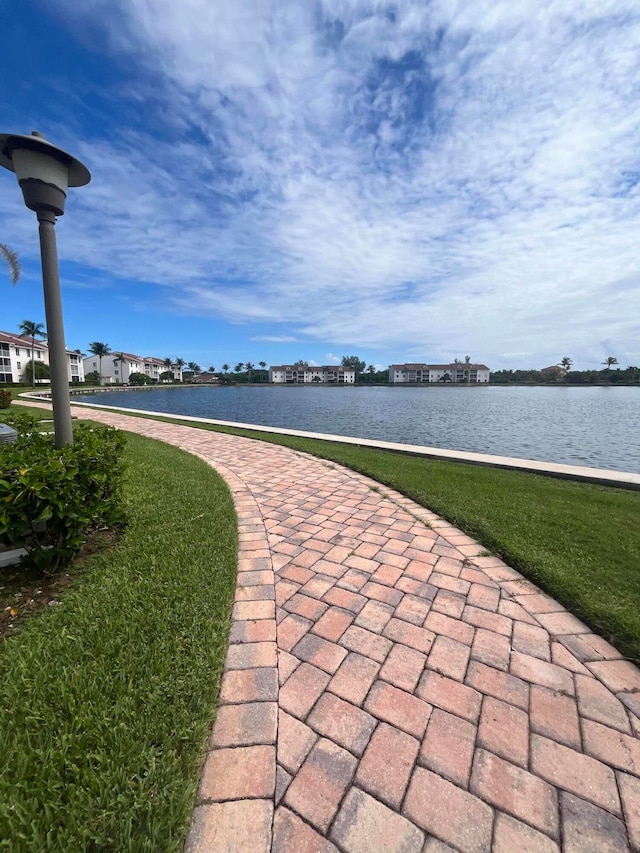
(419, 178)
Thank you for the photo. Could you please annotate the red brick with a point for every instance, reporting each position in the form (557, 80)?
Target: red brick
(589, 828)
(539, 603)
(491, 648)
(599, 704)
(319, 786)
(389, 559)
(253, 610)
(353, 580)
(419, 570)
(475, 576)
(284, 590)
(374, 616)
(448, 747)
(618, 675)
(386, 766)
(448, 566)
(354, 678)
(609, 745)
(504, 730)
(387, 575)
(295, 740)
(261, 592)
(301, 690)
(449, 603)
(542, 673)
(412, 609)
(362, 819)
(260, 631)
(511, 835)
(236, 825)
(332, 624)
(403, 667)
(327, 567)
(321, 653)
(439, 623)
(450, 695)
(250, 656)
(367, 550)
(449, 657)
(431, 802)
(255, 578)
(483, 597)
(364, 642)
(490, 621)
(562, 623)
(362, 564)
(581, 775)
(342, 722)
(248, 772)
(337, 554)
(351, 601)
(418, 588)
(290, 630)
(379, 592)
(531, 641)
(302, 605)
(555, 716)
(290, 833)
(286, 666)
(409, 635)
(514, 611)
(396, 546)
(493, 682)
(297, 574)
(447, 582)
(563, 657)
(249, 685)
(317, 586)
(245, 725)
(590, 647)
(630, 793)
(401, 709)
(515, 791)
(309, 556)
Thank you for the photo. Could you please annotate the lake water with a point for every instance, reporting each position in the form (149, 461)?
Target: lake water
(596, 426)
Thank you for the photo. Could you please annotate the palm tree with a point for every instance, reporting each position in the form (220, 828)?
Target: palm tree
(611, 360)
(168, 363)
(239, 366)
(180, 363)
(193, 367)
(32, 330)
(211, 369)
(13, 262)
(566, 363)
(119, 360)
(225, 367)
(101, 350)
(263, 365)
(249, 367)
(371, 370)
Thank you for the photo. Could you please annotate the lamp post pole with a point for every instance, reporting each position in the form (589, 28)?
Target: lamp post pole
(55, 329)
(44, 173)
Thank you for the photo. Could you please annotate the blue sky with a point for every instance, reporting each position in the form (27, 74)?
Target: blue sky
(276, 180)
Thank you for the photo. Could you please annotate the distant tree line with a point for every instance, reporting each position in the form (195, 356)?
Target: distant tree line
(571, 377)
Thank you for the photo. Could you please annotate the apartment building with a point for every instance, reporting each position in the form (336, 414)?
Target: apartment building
(297, 374)
(16, 354)
(117, 367)
(459, 371)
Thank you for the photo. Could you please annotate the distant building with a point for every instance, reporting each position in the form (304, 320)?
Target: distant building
(554, 371)
(205, 377)
(460, 371)
(117, 367)
(297, 374)
(15, 355)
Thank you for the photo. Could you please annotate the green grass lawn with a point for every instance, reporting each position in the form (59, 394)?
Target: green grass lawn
(106, 698)
(579, 542)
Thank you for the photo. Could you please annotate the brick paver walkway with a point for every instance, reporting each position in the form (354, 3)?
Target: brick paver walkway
(388, 688)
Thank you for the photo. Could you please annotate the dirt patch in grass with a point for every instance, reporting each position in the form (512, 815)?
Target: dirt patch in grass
(25, 592)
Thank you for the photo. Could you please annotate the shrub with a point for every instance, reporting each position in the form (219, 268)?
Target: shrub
(140, 379)
(5, 398)
(51, 498)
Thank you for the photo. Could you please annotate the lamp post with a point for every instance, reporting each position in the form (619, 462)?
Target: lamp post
(44, 173)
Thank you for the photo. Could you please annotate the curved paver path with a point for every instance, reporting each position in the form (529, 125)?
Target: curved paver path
(387, 688)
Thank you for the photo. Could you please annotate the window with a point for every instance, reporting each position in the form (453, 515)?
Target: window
(6, 377)
(19, 365)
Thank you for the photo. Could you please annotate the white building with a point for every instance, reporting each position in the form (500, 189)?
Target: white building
(118, 366)
(459, 371)
(293, 374)
(16, 354)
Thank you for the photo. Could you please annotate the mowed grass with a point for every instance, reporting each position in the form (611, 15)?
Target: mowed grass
(579, 542)
(106, 699)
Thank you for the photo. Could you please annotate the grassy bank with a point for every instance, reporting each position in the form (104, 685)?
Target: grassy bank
(107, 697)
(579, 542)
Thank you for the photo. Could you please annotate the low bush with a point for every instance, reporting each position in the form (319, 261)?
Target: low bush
(50, 498)
(140, 379)
(5, 398)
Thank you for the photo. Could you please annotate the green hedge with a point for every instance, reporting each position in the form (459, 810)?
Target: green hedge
(50, 498)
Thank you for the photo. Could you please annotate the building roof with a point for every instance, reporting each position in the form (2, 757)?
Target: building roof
(21, 340)
(453, 366)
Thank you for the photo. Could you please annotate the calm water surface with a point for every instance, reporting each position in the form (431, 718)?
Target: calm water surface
(598, 427)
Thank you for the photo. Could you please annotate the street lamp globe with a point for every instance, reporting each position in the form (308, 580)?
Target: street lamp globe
(45, 173)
